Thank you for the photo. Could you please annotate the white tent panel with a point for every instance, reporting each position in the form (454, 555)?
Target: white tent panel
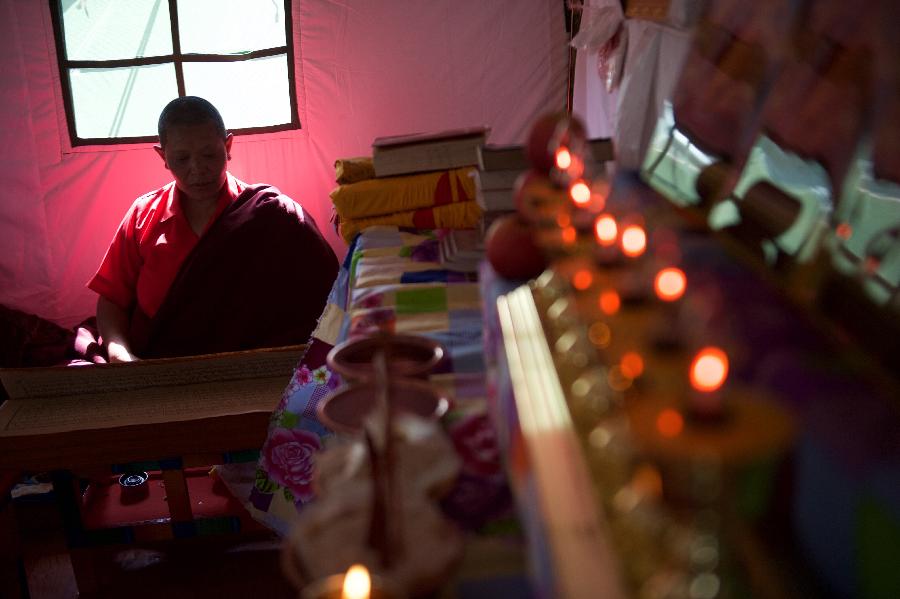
(363, 69)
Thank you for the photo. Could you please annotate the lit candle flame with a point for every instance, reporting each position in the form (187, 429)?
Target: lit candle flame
(357, 584)
(582, 279)
(606, 230)
(709, 369)
(670, 284)
(600, 334)
(634, 241)
(563, 158)
(670, 423)
(844, 231)
(580, 193)
(609, 302)
(632, 364)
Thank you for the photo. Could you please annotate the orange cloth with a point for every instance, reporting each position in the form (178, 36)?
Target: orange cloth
(459, 215)
(389, 195)
(353, 170)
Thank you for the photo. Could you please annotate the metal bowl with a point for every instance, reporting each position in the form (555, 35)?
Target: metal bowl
(345, 409)
(407, 356)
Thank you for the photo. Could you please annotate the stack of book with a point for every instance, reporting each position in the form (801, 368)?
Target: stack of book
(599, 152)
(500, 166)
(498, 169)
(423, 152)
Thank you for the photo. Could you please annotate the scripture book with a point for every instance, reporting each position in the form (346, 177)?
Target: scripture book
(502, 179)
(512, 157)
(492, 200)
(601, 150)
(496, 157)
(498, 169)
(423, 152)
(64, 414)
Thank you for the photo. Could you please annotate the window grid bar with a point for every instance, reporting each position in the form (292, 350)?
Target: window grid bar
(109, 141)
(167, 58)
(176, 47)
(61, 56)
(289, 44)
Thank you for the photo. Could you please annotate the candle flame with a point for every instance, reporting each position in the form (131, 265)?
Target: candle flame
(600, 334)
(563, 158)
(647, 480)
(580, 193)
(606, 230)
(632, 364)
(634, 241)
(844, 231)
(582, 279)
(670, 423)
(357, 584)
(609, 302)
(871, 264)
(670, 284)
(709, 369)
(618, 380)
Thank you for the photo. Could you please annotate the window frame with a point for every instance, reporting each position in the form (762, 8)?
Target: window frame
(177, 58)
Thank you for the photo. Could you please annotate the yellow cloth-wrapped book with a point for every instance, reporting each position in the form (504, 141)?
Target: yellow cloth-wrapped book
(353, 170)
(388, 195)
(459, 215)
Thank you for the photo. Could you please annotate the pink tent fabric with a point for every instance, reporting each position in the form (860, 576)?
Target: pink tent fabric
(364, 68)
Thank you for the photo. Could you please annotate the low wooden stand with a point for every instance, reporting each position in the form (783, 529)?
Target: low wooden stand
(166, 416)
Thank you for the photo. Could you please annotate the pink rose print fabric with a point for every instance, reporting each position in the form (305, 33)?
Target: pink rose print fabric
(288, 456)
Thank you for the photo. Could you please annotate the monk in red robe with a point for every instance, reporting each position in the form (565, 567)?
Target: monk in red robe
(208, 263)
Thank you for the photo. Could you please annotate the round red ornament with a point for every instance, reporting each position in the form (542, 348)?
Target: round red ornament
(511, 249)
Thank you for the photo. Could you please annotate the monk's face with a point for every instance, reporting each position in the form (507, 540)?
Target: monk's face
(197, 156)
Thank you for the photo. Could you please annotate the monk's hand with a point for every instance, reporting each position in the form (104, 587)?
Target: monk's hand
(119, 353)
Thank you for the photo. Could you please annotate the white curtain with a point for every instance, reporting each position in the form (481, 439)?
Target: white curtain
(364, 68)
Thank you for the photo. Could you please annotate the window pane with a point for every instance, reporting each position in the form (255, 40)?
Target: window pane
(112, 29)
(230, 26)
(123, 102)
(230, 86)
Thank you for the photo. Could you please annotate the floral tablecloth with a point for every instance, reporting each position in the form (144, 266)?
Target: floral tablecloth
(391, 280)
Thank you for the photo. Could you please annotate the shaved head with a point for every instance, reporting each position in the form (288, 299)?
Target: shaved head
(189, 110)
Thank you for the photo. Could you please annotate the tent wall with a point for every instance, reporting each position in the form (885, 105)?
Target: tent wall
(363, 68)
